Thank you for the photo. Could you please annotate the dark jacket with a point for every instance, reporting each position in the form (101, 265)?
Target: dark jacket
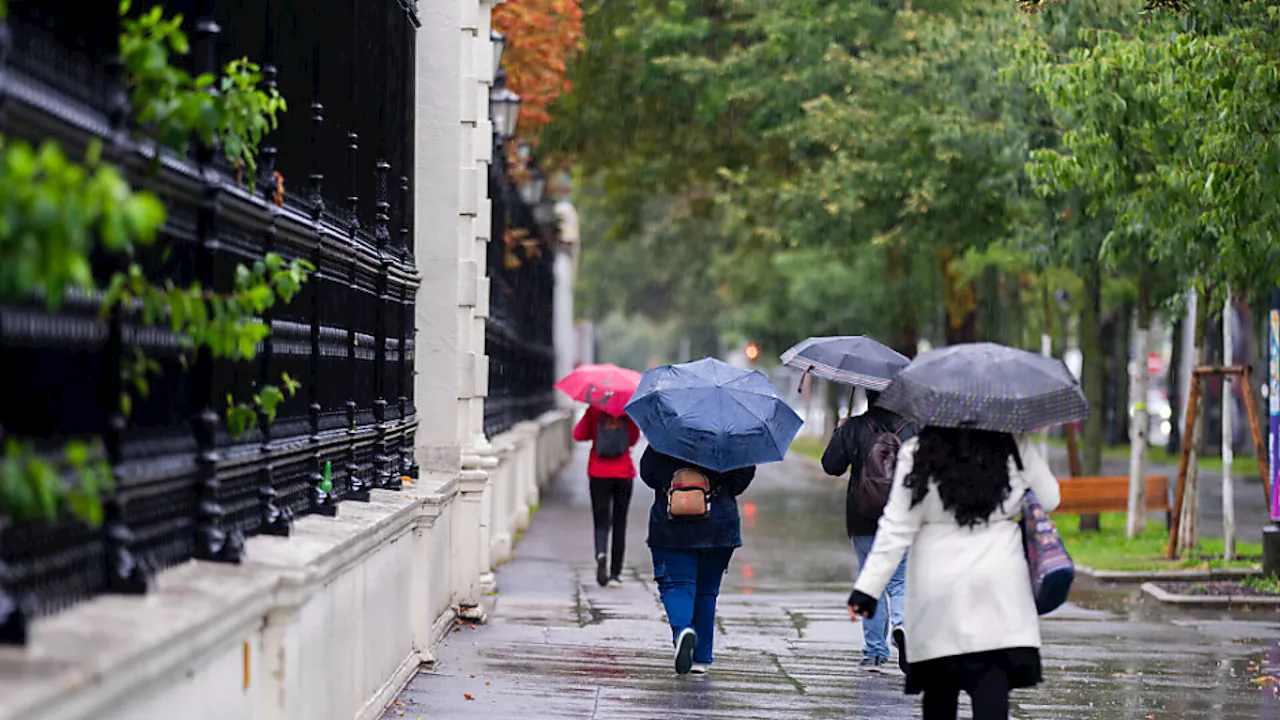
(844, 454)
(722, 529)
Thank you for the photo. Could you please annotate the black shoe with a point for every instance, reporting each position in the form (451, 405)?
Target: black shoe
(602, 570)
(684, 650)
(872, 664)
(900, 642)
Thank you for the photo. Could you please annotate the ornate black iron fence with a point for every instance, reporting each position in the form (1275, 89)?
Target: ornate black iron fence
(518, 334)
(185, 488)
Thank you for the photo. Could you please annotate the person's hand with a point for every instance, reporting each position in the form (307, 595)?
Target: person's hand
(861, 606)
(840, 422)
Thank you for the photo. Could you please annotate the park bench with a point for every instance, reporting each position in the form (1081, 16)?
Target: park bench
(1096, 495)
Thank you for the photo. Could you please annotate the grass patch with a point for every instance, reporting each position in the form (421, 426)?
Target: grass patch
(810, 447)
(1159, 455)
(1109, 549)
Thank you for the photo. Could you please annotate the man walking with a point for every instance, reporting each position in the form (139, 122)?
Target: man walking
(866, 446)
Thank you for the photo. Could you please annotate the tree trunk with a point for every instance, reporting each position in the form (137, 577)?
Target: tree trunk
(1228, 446)
(1124, 334)
(1188, 530)
(1141, 425)
(960, 301)
(1109, 389)
(1092, 376)
(1173, 381)
(1046, 349)
(832, 393)
(906, 337)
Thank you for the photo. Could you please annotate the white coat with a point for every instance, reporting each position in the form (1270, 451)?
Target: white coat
(968, 588)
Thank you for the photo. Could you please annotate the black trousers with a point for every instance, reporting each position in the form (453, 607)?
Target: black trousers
(610, 499)
(987, 687)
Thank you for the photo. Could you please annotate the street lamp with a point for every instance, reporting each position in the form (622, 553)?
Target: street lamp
(504, 107)
(499, 42)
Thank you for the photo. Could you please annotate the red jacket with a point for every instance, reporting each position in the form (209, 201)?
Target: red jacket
(598, 467)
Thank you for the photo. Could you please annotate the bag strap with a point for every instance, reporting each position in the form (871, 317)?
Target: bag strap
(1017, 456)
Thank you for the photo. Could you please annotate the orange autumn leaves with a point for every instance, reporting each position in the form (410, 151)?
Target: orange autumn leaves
(542, 35)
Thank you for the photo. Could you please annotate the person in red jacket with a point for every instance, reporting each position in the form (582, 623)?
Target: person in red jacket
(610, 471)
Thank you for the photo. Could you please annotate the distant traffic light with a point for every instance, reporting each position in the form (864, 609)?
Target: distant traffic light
(752, 352)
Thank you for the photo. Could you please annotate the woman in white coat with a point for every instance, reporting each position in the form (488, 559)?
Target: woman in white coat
(971, 621)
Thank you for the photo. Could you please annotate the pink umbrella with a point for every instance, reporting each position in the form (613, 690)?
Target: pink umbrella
(606, 386)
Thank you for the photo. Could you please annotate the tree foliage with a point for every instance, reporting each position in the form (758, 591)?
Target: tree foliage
(542, 36)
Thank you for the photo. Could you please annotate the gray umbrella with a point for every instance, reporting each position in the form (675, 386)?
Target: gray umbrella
(985, 386)
(848, 360)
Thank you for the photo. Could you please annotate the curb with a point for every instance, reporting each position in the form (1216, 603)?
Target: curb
(1142, 576)
(1164, 596)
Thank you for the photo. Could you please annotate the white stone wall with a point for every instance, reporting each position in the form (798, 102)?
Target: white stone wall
(326, 624)
(329, 623)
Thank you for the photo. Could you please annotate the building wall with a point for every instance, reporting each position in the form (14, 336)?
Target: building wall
(329, 622)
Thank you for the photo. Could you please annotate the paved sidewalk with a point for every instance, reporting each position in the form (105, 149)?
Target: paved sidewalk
(558, 646)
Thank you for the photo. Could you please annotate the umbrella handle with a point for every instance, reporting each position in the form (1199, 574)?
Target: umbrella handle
(805, 374)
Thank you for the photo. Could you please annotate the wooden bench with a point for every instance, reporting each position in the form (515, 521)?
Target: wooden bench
(1096, 495)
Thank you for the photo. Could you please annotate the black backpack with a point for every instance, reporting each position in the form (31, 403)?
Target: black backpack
(612, 438)
(879, 461)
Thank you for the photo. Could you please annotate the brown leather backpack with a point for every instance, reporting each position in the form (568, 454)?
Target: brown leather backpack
(689, 497)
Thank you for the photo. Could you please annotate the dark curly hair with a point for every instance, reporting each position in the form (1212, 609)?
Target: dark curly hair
(970, 468)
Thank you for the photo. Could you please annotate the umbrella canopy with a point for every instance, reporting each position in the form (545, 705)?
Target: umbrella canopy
(849, 360)
(985, 386)
(606, 387)
(713, 415)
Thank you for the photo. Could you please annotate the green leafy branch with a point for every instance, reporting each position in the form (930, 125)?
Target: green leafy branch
(242, 417)
(232, 109)
(33, 488)
(54, 212)
(228, 325)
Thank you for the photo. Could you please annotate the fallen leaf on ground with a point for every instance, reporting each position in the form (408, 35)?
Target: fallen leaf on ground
(468, 697)
(473, 677)
(399, 704)
(486, 682)
(1266, 681)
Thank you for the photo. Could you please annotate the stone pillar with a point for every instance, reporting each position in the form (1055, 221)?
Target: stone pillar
(565, 274)
(437, 199)
(454, 145)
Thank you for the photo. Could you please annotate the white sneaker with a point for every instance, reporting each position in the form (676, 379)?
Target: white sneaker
(684, 650)
(699, 668)
(615, 582)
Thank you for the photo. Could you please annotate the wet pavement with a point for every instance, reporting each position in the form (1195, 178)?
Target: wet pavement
(558, 646)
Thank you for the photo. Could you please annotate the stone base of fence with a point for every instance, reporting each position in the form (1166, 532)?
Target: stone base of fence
(327, 623)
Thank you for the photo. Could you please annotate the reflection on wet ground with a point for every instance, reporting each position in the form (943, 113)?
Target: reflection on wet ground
(557, 645)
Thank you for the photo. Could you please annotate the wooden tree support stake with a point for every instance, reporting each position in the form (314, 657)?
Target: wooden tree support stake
(1188, 436)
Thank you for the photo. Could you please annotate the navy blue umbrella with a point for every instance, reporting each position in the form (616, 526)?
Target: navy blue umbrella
(713, 415)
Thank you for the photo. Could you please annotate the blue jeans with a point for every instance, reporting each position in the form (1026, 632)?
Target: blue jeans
(890, 609)
(689, 582)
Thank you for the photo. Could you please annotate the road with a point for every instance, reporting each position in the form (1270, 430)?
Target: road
(558, 646)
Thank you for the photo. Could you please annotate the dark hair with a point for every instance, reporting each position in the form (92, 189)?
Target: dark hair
(970, 468)
(872, 397)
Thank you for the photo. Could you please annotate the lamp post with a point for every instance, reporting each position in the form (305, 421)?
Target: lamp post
(499, 43)
(504, 107)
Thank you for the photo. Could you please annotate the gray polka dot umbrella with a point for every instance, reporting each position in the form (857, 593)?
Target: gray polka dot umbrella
(985, 386)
